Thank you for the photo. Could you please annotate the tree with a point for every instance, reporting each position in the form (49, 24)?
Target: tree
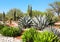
(37, 13)
(12, 12)
(56, 7)
(51, 18)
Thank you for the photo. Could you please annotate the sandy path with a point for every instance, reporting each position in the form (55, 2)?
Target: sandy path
(9, 39)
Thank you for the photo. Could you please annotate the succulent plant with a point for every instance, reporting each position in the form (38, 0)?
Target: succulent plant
(3, 18)
(40, 22)
(56, 31)
(25, 22)
(30, 10)
(14, 15)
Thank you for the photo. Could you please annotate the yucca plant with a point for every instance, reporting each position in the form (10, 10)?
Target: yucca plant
(25, 22)
(40, 22)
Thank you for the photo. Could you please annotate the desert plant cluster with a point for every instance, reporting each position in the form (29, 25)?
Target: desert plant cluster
(33, 26)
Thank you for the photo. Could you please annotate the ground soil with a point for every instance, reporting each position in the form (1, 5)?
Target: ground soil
(19, 37)
(56, 26)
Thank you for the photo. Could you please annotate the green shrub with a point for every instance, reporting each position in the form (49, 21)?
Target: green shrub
(33, 36)
(10, 31)
(1, 26)
(28, 35)
(46, 37)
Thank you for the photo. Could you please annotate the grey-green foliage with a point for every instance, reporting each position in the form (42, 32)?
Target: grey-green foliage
(56, 31)
(40, 22)
(25, 22)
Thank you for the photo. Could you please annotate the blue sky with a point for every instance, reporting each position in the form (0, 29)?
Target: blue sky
(40, 5)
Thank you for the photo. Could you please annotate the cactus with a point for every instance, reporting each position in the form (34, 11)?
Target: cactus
(30, 10)
(14, 15)
(4, 17)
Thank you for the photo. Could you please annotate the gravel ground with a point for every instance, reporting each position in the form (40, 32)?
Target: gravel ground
(9, 39)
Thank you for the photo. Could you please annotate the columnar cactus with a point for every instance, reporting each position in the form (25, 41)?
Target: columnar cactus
(30, 10)
(14, 15)
(4, 17)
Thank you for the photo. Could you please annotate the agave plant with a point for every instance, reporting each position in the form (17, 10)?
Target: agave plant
(56, 31)
(25, 22)
(40, 22)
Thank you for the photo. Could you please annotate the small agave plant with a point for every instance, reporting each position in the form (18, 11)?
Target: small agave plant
(40, 22)
(25, 22)
(56, 31)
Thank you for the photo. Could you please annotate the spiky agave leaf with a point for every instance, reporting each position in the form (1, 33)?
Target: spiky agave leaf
(25, 22)
(40, 22)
